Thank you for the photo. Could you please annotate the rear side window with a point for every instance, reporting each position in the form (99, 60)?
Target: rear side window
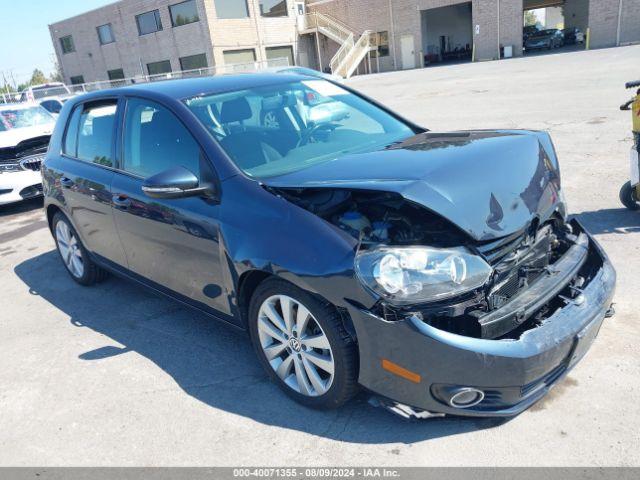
(89, 135)
(155, 140)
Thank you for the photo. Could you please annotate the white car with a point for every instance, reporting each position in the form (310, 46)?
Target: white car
(25, 129)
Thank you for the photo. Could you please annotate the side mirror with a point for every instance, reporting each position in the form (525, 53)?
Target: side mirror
(176, 182)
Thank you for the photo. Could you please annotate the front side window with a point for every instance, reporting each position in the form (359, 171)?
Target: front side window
(67, 44)
(155, 140)
(273, 8)
(94, 130)
(157, 68)
(13, 118)
(232, 9)
(270, 131)
(105, 34)
(149, 22)
(184, 13)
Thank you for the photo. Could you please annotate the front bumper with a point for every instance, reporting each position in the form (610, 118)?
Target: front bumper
(513, 374)
(18, 186)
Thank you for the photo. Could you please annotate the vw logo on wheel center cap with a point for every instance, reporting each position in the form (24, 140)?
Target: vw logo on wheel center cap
(294, 343)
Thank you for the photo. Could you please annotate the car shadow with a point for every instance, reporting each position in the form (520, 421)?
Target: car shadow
(610, 220)
(21, 207)
(211, 362)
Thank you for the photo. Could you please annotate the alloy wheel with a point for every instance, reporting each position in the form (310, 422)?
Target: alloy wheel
(295, 345)
(69, 248)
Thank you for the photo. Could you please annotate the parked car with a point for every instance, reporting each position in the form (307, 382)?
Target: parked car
(573, 35)
(529, 30)
(25, 129)
(550, 38)
(37, 92)
(53, 105)
(437, 270)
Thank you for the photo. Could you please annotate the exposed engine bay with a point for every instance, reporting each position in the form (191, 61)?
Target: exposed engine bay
(518, 260)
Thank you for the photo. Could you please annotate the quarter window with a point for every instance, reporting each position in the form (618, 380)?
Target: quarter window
(89, 134)
(149, 22)
(273, 8)
(157, 68)
(67, 44)
(232, 9)
(155, 140)
(105, 34)
(184, 13)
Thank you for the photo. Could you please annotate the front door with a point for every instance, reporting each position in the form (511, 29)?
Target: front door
(408, 51)
(84, 174)
(173, 243)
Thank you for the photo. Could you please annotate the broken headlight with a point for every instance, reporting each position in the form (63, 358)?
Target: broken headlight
(405, 275)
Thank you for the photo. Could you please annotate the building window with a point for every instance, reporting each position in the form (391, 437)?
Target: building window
(77, 80)
(232, 9)
(183, 13)
(149, 22)
(117, 74)
(273, 8)
(156, 68)
(67, 44)
(105, 34)
(382, 40)
(280, 52)
(234, 57)
(193, 62)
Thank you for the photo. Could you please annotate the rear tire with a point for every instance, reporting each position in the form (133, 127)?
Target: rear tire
(75, 257)
(628, 197)
(285, 352)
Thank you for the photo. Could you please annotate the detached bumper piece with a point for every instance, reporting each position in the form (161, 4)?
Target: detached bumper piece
(463, 375)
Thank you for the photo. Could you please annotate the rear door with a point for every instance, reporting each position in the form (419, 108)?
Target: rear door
(173, 243)
(85, 171)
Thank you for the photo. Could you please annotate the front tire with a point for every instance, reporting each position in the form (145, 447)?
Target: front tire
(628, 197)
(73, 254)
(302, 344)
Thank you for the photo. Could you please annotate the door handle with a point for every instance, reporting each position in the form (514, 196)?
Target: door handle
(121, 201)
(66, 182)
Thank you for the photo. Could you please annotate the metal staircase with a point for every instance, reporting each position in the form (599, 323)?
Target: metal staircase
(351, 52)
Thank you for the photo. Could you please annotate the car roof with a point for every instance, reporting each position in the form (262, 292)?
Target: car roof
(193, 87)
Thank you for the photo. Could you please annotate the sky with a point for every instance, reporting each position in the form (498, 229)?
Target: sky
(24, 36)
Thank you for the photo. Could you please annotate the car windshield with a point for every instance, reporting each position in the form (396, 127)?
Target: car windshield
(270, 131)
(546, 32)
(11, 118)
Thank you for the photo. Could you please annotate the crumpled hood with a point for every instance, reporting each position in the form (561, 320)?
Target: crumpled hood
(12, 137)
(488, 183)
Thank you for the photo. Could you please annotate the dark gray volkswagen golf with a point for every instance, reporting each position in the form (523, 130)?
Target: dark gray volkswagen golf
(439, 271)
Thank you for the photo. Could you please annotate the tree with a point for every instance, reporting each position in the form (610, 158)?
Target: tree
(530, 18)
(37, 77)
(56, 75)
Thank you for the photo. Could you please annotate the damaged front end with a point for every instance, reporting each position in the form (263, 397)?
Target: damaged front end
(482, 293)
(505, 341)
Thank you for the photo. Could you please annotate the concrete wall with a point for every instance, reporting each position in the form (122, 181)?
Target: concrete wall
(630, 25)
(210, 35)
(576, 14)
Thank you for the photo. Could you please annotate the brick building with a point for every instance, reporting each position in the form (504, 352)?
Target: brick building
(412, 30)
(130, 38)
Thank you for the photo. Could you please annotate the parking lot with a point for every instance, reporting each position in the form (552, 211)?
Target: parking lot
(113, 375)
